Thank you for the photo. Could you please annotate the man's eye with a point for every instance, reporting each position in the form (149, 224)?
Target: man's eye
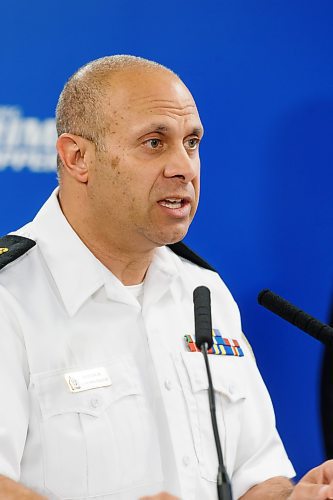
(153, 143)
(192, 143)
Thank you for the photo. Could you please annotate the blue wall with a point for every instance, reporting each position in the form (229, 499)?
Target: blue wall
(262, 74)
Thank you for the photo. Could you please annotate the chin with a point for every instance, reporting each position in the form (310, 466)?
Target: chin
(159, 235)
(168, 237)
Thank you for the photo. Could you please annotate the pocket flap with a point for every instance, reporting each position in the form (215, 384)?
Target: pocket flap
(55, 397)
(226, 374)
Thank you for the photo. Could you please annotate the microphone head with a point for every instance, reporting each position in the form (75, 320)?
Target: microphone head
(264, 296)
(277, 304)
(202, 317)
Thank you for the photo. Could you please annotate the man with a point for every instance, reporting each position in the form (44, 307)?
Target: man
(102, 397)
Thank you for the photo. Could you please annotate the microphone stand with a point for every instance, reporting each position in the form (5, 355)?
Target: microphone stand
(203, 336)
(224, 491)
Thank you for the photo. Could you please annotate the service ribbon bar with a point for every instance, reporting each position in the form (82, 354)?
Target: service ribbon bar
(221, 345)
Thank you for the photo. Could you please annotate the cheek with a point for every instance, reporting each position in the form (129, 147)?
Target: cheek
(125, 183)
(128, 194)
(115, 162)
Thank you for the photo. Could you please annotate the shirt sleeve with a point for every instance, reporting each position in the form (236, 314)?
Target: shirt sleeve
(14, 375)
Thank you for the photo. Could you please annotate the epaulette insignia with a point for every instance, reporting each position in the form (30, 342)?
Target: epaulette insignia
(184, 251)
(12, 247)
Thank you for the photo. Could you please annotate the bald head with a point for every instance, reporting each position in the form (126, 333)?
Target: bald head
(129, 146)
(81, 109)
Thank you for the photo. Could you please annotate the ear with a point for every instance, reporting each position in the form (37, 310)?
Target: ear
(75, 152)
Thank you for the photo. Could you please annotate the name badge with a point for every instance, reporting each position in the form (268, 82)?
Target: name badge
(87, 379)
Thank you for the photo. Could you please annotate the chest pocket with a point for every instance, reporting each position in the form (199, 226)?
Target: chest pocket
(91, 439)
(230, 394)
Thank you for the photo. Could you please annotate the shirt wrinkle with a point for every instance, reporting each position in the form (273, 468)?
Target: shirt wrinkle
(149, 429)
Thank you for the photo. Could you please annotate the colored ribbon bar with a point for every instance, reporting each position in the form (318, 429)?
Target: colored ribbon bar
(221, 345)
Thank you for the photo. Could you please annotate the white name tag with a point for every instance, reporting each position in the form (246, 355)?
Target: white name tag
(87, 379)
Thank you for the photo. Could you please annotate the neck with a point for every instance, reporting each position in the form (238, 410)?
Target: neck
(128, 264)
(129, 267)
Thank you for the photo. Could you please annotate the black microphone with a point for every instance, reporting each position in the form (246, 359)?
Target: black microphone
(204, 341)
(296, 316)
(202, 317)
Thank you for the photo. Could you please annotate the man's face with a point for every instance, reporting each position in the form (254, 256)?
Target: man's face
(143, 189)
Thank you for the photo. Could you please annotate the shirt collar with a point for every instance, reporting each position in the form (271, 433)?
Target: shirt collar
(77, 273)
(75, 270)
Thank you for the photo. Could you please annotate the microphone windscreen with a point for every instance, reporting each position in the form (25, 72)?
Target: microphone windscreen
(296, 316)
(202, 316)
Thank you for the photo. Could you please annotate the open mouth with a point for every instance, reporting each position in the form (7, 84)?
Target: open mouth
(173, 202)
(176, 207)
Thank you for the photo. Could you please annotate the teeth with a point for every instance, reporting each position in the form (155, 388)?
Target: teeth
(171, 203)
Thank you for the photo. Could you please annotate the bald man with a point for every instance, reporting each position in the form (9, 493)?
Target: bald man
(103, 394)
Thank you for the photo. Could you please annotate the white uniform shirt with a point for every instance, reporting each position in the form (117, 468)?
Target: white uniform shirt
(62, 311)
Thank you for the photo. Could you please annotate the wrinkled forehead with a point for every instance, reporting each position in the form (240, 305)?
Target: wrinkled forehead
(149, 91)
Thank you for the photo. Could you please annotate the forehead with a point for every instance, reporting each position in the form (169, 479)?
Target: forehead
(150, 93)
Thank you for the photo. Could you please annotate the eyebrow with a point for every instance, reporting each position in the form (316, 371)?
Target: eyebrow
(158, 128)
(161, 128)
(197, 131)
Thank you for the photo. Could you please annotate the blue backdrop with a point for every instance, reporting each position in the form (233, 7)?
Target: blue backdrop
(262, 74)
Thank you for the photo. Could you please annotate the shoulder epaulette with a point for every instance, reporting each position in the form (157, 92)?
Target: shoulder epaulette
(184, 251)
(12, 247)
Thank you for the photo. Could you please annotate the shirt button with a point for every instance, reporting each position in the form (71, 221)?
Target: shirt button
(186, 460)
(168, 385)
(95, 402)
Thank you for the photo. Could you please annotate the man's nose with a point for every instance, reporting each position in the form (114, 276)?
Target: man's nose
(180, 164)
